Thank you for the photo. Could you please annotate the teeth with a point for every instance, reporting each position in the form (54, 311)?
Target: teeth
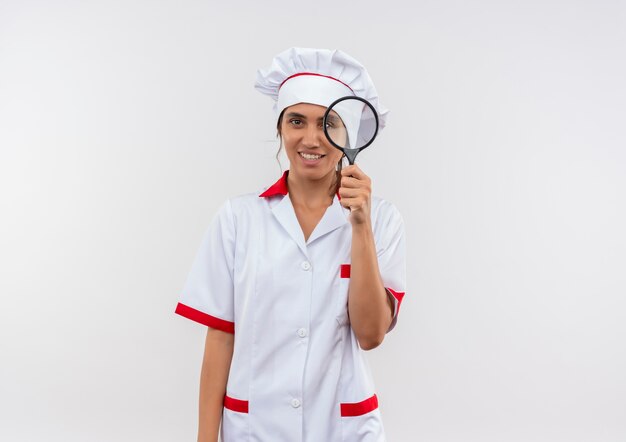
(310, 157)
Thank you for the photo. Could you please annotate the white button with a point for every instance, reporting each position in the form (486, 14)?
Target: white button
(306, 265)
(295, 403)
(302, 332)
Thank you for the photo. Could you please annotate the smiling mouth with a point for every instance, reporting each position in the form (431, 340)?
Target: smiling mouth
(308, 156)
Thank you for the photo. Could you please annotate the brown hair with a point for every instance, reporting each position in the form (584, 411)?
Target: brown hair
(334, 188)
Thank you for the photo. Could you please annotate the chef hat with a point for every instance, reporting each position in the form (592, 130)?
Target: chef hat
(316, 76)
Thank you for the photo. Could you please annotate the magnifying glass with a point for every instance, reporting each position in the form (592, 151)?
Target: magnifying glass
(350, 124)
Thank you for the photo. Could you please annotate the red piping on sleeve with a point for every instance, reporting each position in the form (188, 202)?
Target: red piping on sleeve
(203, 318)
(398, 295)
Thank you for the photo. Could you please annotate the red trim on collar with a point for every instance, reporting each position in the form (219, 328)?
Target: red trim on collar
(317, 75)
(280, 187)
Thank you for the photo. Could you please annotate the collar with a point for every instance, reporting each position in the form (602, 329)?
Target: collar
(280, 187)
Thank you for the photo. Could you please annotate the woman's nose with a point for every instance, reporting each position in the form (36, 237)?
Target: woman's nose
(311, 136)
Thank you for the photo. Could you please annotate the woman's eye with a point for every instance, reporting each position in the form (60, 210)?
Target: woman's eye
(296, 122)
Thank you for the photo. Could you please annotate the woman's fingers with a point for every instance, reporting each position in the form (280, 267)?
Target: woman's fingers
(351, 182)
(355, 192)
(348, 192)
(354, 171)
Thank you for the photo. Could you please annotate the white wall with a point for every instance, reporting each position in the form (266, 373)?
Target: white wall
(124, 124)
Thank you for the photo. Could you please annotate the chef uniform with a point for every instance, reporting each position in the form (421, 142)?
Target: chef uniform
(297, 372)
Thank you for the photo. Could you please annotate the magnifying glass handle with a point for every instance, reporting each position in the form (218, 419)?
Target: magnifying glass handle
(351, 155)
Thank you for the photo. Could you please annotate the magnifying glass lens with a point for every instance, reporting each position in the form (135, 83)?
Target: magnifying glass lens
(337, 130)
(351, 125)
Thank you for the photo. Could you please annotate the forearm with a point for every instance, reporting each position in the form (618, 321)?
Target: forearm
(369, 305)
(218, 351)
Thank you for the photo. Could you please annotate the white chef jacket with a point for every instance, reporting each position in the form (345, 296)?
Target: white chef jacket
(297, 372)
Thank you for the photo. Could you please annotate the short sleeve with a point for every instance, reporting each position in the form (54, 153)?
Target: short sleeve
(391, 252)
(207, 296)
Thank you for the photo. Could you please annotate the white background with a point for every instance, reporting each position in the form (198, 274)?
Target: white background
(125, 124)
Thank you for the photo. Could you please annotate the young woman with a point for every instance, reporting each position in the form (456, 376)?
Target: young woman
(295, 281)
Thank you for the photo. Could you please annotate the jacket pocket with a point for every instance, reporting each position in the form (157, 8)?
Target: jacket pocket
(361, 421)
(235, 420)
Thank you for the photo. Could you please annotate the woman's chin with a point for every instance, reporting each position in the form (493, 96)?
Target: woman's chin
(311, 173)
